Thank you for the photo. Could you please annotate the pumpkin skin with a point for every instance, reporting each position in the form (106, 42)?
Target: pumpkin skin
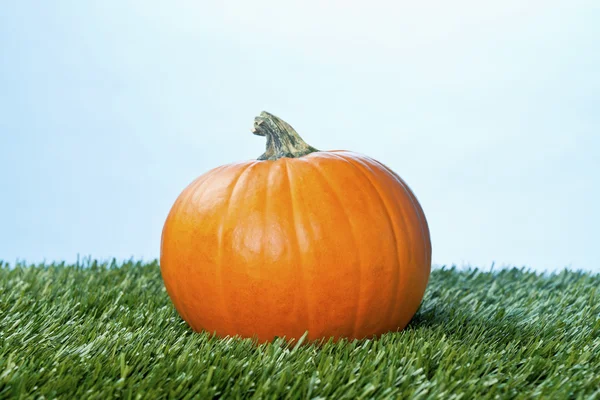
(331, 242)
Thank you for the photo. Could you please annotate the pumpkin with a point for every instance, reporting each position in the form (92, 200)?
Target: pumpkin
(332, 243)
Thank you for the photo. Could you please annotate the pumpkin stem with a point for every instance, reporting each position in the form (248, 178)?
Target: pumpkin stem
(282, 139)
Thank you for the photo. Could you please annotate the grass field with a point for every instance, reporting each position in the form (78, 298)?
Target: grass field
(110, 331)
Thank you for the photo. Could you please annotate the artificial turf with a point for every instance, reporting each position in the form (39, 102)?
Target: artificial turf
(103, 331)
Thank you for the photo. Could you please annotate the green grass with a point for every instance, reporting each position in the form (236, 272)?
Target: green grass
(110, 331)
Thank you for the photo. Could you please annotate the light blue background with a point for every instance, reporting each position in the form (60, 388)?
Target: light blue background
(489, 110)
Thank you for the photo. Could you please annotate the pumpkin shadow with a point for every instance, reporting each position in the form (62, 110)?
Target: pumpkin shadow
(495, 330)
(461, 325)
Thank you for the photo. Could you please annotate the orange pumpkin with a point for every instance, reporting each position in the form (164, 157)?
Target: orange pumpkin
(329, 242)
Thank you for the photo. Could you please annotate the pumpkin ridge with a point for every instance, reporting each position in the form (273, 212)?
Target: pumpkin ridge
(181, 204)
(418, 209)
(265, 234)
(423, 227)
(189, 192)
(300, 253)
(397, 277)
(356, 246)
(219, 270)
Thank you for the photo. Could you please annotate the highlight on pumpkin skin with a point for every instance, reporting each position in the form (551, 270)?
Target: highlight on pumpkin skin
(282, 139)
